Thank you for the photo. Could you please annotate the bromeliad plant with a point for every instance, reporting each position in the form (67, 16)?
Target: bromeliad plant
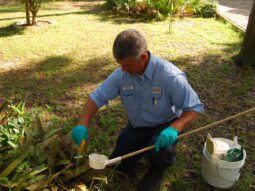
(11, 126)
(34, 156)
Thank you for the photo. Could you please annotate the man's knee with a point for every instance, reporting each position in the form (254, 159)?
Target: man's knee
(163, 158)
(130, 140)
(121, 144)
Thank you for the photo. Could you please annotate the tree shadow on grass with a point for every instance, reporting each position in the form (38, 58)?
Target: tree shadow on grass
(11, 9)
(224, 87)
(53, 79)
(11, 30)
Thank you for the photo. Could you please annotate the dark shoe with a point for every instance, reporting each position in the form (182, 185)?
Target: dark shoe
(151, 181)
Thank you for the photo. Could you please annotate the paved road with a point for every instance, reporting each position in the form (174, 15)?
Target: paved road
(236, 11)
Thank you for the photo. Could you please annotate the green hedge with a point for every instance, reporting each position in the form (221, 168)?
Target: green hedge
(204, 8)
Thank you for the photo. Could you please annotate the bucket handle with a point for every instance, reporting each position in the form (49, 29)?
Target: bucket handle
(231, 181)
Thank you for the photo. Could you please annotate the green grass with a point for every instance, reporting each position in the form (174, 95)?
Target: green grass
(55, 68)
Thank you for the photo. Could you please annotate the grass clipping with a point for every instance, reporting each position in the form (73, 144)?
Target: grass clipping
(34, 156)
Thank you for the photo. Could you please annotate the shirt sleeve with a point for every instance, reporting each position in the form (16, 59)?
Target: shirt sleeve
(108, 90)
(184, 97)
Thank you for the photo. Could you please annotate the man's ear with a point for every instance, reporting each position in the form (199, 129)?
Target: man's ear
(144, 56)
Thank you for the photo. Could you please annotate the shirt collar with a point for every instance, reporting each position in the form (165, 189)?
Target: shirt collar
(150, 67)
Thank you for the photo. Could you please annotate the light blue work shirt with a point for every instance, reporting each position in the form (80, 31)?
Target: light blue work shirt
(153, 98)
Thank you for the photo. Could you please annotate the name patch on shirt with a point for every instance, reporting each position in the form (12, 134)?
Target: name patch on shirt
(156, 90)
(128, 88)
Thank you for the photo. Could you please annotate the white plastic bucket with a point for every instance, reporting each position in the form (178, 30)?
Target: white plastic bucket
(219, 173)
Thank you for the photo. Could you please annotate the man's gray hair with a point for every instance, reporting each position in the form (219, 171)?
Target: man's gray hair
(129, 42)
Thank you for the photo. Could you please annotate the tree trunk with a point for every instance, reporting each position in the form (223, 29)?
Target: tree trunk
(27, 13)
(33, 18)
(246, 56)
(34, 6)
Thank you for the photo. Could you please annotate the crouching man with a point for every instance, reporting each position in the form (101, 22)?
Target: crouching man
(153, 91)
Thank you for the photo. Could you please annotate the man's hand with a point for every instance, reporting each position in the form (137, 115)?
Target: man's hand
(167, 137)
(80, 133)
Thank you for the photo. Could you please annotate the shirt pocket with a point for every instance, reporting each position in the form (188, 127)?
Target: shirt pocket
(153, 103)
(157, 106)
(128, 100)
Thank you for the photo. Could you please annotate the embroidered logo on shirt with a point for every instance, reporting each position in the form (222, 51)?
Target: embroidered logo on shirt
(156, 90)
(128, 87)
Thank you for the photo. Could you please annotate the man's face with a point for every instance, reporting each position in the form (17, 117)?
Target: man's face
(131, 65)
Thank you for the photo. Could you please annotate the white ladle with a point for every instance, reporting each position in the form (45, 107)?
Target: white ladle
(99, 161)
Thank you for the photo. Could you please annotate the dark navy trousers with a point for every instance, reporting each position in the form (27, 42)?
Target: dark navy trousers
(132, 139)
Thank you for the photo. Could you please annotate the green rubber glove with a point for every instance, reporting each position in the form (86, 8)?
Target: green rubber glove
(167, 137)
(79, 133)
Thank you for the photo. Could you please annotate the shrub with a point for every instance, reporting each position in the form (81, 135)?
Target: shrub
(206, 9)
(156, 8)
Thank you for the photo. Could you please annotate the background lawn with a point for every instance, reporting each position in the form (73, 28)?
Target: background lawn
(55, 67)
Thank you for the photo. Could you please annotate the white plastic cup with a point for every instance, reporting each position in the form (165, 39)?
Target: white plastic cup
(221, 148)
